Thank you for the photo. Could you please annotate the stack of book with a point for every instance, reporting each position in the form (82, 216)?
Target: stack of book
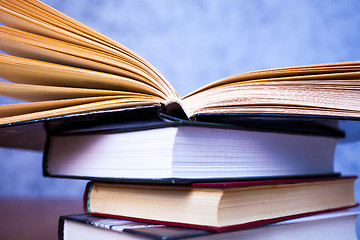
(208, 177)
(247, 156)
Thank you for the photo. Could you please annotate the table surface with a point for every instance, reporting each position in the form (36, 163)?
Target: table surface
(34, 218)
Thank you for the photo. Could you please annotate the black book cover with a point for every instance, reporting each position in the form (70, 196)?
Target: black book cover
(32, 134)
(151, 231)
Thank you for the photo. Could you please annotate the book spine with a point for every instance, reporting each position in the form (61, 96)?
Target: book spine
(45, 159)
(86, 197)
(174, 108)
(61, 228)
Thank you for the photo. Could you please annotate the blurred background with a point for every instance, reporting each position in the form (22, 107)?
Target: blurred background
(195, 42)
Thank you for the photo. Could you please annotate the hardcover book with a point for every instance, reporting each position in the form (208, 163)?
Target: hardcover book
(219, 206)
(330, 226)
(60, 66)
(183, 151)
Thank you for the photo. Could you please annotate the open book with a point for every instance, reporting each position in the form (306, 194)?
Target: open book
(59, 66)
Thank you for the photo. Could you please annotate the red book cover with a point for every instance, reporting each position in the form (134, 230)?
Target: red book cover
(223, 185)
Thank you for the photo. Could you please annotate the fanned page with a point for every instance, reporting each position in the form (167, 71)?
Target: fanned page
(59, 66)
(326, 90)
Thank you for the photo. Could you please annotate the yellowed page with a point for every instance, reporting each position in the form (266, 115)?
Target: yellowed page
(40, 12)
(349, 76)
(9, 110)
(289, 73)
(36, 20)
(329, 97)
(67, 29)
(82, 108)
(50, 14)
(29, 92)
(33, 46)
(21, 70)
(119, 79)
(28, 45)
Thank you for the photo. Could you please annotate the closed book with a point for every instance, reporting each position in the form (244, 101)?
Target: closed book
(331, 226)
(184, 151)
(219, 206)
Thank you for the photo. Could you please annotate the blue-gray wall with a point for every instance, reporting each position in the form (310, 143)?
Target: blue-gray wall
(196, 42)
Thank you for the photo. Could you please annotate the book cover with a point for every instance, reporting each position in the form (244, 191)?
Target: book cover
(130, 228)
(326, 226)
(32, 134)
